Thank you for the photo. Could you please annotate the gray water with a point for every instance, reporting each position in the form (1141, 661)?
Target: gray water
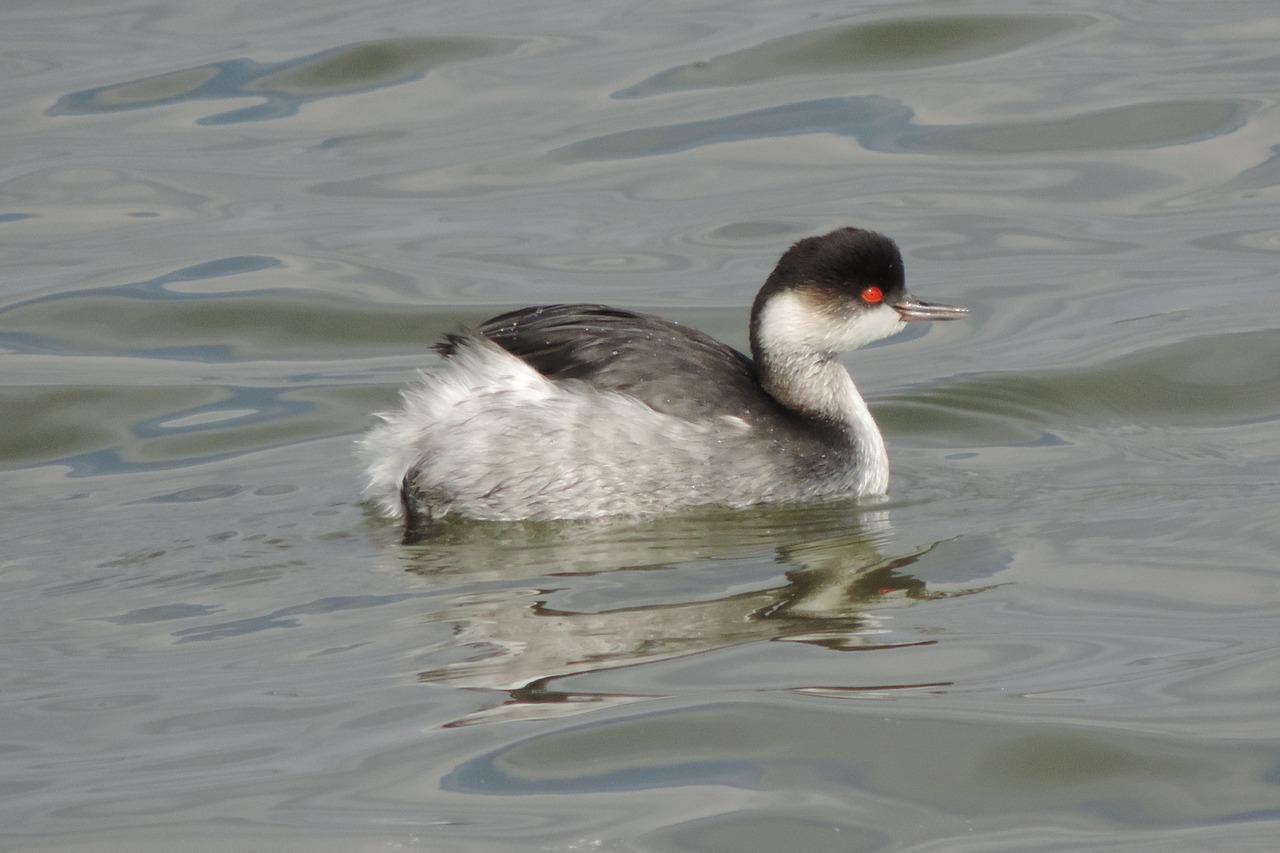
(230, 232)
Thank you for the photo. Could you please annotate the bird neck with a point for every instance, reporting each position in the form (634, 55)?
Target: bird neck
(817, 387)
(794, 343)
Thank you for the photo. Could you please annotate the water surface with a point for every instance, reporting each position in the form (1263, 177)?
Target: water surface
(232, 233)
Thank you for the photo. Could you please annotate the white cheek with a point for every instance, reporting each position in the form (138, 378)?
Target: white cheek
(789, 322)
(872, 325)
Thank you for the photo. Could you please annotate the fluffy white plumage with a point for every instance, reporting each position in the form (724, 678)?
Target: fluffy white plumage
(478, 421)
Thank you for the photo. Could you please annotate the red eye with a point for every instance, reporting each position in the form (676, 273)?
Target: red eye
(872, 294)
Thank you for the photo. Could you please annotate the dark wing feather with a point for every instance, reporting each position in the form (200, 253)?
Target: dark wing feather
(670, 367)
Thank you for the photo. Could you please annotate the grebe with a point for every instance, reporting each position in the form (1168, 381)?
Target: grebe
(584, 411)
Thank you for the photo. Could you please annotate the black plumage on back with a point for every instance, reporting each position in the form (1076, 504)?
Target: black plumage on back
(654, 360)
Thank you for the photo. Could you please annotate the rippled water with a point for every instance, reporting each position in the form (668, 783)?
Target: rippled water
(231, 232)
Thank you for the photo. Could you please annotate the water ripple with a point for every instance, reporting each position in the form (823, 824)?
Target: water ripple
(1195, 382)
(892, 45)
(284, 87)
(880, 123)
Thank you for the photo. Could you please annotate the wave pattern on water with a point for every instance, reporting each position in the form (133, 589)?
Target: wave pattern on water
(894, 44)
(1219, 381)
(232, 231)
(284, 87)
(882, 124)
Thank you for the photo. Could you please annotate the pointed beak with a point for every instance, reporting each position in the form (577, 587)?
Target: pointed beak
(911, 308)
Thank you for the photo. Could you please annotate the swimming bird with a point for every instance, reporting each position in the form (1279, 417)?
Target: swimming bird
(586, 411)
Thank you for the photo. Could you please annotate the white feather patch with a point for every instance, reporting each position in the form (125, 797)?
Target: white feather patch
(790, 322)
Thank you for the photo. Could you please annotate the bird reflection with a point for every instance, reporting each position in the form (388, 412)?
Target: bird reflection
(537, 603)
